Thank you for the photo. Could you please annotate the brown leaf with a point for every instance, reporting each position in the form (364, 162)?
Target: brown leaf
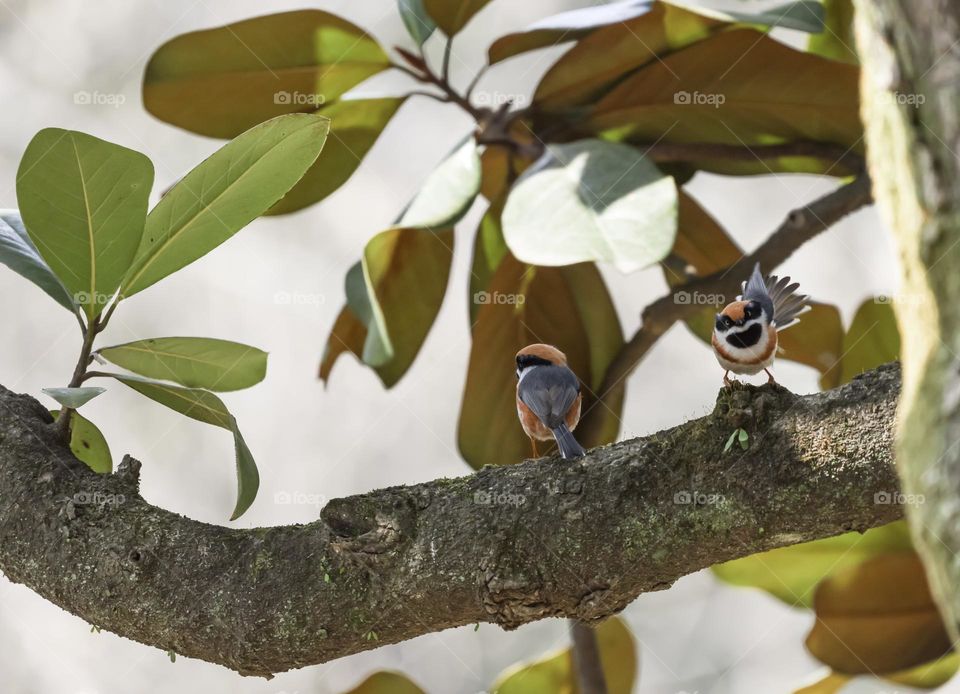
(877, 617)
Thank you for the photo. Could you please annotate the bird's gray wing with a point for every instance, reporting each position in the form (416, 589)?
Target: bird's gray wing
(549, 391)
(787, 303)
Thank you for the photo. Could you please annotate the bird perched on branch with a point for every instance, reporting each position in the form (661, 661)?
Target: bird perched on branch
(548, 398)
(745, 333)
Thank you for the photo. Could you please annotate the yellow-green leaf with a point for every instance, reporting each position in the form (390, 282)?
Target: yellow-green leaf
(569, 307)
(83, 201)
(88, 444)
(555, 674)
(871, 340)
(355, 126)
(836, 41)
(386, 682)
(223, 81)
(793, 573)
(208, 408)
(237, 184)
(877, 617)
(194, 362)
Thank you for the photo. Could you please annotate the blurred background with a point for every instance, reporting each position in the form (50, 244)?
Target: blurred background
(278, 285)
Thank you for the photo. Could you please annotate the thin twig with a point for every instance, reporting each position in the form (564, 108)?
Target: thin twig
(586, 659)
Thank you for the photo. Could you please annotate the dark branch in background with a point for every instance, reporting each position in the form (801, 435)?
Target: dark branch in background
(800, 226)
(507, 545)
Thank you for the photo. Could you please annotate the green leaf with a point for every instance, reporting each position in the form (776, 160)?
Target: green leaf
(393, 297)
(208, 408)
(19, 254)
(194, 362)
(419, 24)
(737, 88)
(743, 437)
(74, 398)
(564, 27)
(355, 125)
(877, 617)
(385, 682)
(555, 673)
(605, 56)
(836, 41)
(451, 17)
(871, 340)
(223, 81)
(83, 202)
(88, 444)
(729, 443)
(569, 307)
(792, 573)
(449, 190)
(237, 184)
(592, 200)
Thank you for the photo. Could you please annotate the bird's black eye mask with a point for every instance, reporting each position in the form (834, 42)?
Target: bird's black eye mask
(525, 360)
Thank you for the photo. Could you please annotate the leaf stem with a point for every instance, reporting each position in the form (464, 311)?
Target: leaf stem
(80, 373)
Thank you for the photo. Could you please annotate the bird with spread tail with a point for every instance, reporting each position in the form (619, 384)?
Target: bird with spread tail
(548, 398)
(745, 333)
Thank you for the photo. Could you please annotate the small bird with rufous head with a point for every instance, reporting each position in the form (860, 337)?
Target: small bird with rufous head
(745, 332)
(548, 398)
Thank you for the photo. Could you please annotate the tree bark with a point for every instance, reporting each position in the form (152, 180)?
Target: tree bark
(509, 545)
(910, 90)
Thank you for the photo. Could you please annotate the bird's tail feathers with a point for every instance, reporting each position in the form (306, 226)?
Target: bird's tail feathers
(568, 445)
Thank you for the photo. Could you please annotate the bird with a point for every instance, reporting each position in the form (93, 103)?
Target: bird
(548, 398)
(745, 332)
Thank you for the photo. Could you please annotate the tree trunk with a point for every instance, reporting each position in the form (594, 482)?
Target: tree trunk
(910, 92)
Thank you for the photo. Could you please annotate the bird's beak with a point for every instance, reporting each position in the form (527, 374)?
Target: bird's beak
(719, 323)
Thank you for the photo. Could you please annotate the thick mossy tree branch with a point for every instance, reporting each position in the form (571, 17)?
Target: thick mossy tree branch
(508, 545)
(800, 226)
(909, 93)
